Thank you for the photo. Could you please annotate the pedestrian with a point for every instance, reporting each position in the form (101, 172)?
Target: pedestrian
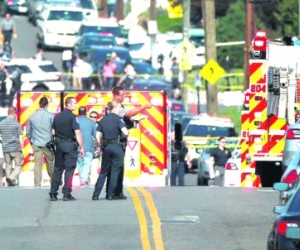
(109, 69)
(109, 131)
(8, 28)
(77, 79)
(39, 55)
(177, 165)
(217, 161)
(86, 73)
(39, 132)
(67, 139)
(12, 144)
(94, 117)
(16, 80)
(127, 81)
(88, 131)
(1, 164)
(111, 8)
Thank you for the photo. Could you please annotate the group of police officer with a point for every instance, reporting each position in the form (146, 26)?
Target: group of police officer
(111, 135)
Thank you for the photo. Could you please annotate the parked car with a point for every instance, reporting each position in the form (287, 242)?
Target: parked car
(16, 6)
(292, 141)
(285, 231)
(232, 174)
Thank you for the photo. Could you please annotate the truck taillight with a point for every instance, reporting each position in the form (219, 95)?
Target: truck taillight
(293, 134)
(291, 177)
(282, 226)
(231, 166)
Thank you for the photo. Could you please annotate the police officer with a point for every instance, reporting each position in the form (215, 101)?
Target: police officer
(218, 159)
(118, 96)
(109, 131)
(67, 137)
(177, 166)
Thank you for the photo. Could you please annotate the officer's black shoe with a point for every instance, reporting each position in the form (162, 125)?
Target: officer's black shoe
(111, 198)
(68, 198)
(53, 197)
(122, 197)
(94, 198)
(10, 182)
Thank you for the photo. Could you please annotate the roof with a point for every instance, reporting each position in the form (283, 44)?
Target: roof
(106, 22)
(66, 7)
(112, 49)
(101, 34)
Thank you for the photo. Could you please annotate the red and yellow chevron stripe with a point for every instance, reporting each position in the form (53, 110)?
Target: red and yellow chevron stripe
(29, 103)
(257, 72)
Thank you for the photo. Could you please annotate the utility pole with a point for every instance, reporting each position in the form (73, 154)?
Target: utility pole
(248, 37)
(152, 35)
(208, 8)
(186, 27)
(104, 8)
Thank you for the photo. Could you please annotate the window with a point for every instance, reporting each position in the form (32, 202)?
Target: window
(115, 31)
(48, 68)
(136, 46)
(65, 15)
(204, 131)
(87, 4)
(23, 68)
(98, 40)
(101, 54)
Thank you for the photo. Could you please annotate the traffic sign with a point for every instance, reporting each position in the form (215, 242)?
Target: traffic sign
(185, 50)
(175, 11)
(212, 71)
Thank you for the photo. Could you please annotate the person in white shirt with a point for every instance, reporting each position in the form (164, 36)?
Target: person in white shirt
(77, 79)
(86, 72)
(39, 55)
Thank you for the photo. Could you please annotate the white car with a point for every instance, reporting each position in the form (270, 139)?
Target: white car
(58, 26)
(36, 74)
(232, 175)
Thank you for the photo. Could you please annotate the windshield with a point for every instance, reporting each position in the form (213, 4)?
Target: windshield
(175, 42)
(136, 46)
(197, 41)
(87, 4)
(144, 68)
(101, 54)
(98, 40)
(116, 31)
(204, 131)
(48, 68)
(58, 15)
(230, 144)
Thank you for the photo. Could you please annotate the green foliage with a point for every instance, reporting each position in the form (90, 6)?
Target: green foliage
(287, 15)
(232, 28)
(164, 24)
(235, 114)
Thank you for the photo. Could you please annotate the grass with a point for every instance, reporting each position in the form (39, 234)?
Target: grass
(235, 114)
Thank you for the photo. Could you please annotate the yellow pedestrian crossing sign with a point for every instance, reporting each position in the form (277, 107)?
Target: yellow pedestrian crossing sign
(175, 10)
(185, 50)
(212, 71)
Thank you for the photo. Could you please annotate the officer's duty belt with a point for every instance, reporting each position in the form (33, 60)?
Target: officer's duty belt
(106, 142)
(66, 140)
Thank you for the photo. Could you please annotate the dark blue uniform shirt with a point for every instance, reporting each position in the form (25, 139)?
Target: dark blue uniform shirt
(64, 124)
(110, 126)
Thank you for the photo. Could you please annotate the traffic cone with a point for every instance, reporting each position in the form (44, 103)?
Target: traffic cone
(193, 109)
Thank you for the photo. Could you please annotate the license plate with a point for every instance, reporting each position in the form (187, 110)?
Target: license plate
(23, 9)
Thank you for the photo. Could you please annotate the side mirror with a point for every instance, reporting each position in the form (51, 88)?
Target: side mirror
(100, 8)
(67, 55)
(278, 209)
(280, 186)
(88, 13)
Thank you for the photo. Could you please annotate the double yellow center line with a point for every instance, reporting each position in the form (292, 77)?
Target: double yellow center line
(157, 236)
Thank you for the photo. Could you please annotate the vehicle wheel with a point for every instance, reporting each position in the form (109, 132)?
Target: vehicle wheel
(40, 88)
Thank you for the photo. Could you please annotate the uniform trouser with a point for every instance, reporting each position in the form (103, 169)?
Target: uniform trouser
(219, 176)
(177, 169)
(112, 161)
(39, 152)
(119, 187)
(65, 160)
(18, 158)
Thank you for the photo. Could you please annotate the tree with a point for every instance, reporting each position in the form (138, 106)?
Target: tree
(287, 15)
(231, 28)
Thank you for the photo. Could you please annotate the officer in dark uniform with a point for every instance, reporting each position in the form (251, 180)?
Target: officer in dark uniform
(219, 157)
(109, 132)
(118, 96)
(67, 138)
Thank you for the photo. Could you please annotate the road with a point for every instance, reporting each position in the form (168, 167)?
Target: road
(175, 218)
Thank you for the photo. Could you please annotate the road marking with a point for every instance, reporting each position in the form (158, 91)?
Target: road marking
(141, 217)
(158, 241)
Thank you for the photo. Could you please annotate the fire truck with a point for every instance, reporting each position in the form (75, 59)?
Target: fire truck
(270, 103)
(147, 154)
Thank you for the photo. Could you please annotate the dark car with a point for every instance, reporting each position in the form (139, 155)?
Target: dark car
(285, 232)
(88, 40)
(152, 84)
(16, 6)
